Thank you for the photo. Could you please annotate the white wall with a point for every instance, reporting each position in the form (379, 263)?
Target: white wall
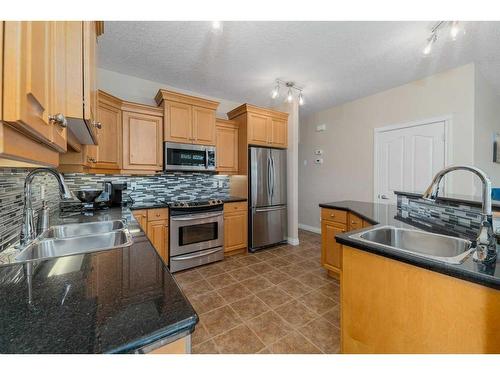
(347, 171)
(487, 122)
(143, 91)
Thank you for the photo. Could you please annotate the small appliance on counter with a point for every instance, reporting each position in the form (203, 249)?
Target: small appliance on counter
(116, 193)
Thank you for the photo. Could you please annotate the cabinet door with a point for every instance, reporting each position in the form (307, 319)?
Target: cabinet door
(109, 137)
(178, 122)
(142, 141)
(235, 231)
(279, 131)
(89, 75)
(227, 149)
(331, 251)
(158, 235)
(354, 222)
(142, 218)
(259, 132)
(27, 77)
(203, 126)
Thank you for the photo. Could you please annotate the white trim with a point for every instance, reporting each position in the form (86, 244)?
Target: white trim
(448, 156)
(293, 241)
(310, 228)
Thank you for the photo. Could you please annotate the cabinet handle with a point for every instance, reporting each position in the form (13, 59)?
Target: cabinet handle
(97, 124)
(59, 119)
(91, 160)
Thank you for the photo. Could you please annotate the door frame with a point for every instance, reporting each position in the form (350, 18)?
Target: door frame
(448, 136)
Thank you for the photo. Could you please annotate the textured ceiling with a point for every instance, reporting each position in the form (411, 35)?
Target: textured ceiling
(335, 62)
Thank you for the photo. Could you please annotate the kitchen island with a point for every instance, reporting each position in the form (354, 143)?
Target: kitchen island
(122, 300)
(396, 302)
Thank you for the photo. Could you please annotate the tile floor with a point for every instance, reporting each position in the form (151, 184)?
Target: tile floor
(278, 300)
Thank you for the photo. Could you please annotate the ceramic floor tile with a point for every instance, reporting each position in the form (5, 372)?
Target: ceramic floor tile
(222, 280)
(331, 290)
(274, 296)
(293, 343)
(317, 302)
(312, 280)
(239, 340)
(220, 320)
(250, 307)
(200, 334)
(207, 302)
(187, 277)
(242, 274)
(294, 288)
(269, 327)
(276, 276)
(234, 292)
(208, 347)
(258, 283)
(333, 315)
(197, 288)
(323, 334)
(261, 268)
(295, 313)
(211, 269)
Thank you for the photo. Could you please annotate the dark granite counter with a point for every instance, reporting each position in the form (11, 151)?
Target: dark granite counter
(160, 203)
(383, 214)
(114, 301)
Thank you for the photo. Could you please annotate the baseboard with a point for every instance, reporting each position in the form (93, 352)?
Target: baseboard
(293, 241)
(310, 228)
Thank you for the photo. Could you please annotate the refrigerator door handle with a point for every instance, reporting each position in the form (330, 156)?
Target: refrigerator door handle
(269, 187)
(273, 174)
(268, 209)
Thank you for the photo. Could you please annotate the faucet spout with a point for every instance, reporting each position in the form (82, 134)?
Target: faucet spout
(28, 227)
(486, 242)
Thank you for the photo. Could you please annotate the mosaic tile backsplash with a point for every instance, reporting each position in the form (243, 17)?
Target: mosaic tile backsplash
(453, 217)
(167, 187)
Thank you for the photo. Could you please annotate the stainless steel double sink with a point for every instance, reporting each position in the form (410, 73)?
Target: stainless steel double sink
(72, 239)
(427, 245)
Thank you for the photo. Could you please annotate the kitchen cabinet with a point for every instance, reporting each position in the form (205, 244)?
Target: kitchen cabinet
(154, 222)
(188, 119)
(262, 126)
(142, 139)
(235, 226)
(227, 146)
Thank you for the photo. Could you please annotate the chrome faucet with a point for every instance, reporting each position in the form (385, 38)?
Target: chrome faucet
(28, 232)
(485, 245)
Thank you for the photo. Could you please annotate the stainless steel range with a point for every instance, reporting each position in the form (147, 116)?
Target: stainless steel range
(196, 233)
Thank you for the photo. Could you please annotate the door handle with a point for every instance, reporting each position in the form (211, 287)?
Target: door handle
(383, 196)
(276, 208)
(197, 255)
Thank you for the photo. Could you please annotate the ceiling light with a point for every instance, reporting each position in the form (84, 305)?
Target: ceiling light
(276, 91)
(428, 48)
(301, 99)
(289, 97)
(454, 30)
(217, 25)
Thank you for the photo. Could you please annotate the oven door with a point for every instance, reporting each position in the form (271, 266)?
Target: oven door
(188, 157)
(195, 232)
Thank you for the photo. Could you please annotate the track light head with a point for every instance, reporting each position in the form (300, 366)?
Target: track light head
(276, 91)
(454, 30)
(430, 42)
(301, 99)
(289, 97)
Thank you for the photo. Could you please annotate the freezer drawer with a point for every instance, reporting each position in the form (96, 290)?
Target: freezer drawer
(268, 226)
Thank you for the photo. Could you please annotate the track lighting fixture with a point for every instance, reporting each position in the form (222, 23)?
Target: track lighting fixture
(289, 97)
(217, 26)
(454, 31)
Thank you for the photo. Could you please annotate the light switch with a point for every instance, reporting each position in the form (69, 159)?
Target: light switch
(321, 128)
(318, 152)
(318, 161)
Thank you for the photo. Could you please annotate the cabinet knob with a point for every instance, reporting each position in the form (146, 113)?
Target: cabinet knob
(353, 222)
(332, 215)
(59, 119)
(97, 124)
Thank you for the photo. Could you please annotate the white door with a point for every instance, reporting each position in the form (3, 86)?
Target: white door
(407, 159)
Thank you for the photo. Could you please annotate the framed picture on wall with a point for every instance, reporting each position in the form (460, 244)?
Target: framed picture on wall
(496, 147)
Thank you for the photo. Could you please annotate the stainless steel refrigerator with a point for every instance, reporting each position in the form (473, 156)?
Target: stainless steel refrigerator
(267, 192)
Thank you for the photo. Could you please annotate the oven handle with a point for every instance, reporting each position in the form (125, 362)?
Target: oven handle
(194, 217)
(197, 255)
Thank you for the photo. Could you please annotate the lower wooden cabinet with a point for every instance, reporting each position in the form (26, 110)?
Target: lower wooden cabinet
(235, 226)
(334, 222)
(154, 223)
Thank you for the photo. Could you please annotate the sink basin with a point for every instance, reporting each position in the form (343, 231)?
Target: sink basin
(428, 245)
(57, 247)
(83, 229)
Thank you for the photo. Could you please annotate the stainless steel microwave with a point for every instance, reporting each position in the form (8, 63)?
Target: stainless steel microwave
(187, 157)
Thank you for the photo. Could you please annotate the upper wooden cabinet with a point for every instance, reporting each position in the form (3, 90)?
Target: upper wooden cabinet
(227, 146)
(142, 137)
(188, 119)
(264, 127)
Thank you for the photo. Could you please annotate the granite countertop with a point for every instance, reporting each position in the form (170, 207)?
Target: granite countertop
(161, 203)
(114, 301)
(386, 214)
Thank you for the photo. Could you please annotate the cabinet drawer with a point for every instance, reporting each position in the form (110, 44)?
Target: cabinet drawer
(235, 207)
(355, 222)
(158, 214)
(338, 216)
